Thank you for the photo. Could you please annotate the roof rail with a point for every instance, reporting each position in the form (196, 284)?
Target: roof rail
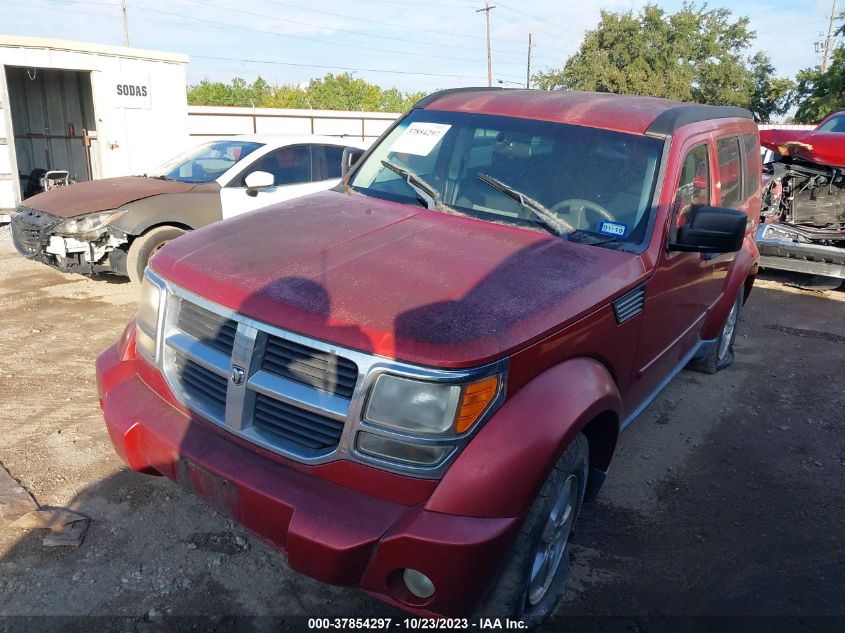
(668, 122)
(434, 96)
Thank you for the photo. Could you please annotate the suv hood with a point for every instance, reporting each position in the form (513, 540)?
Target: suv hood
(103, 195)
(395, 280)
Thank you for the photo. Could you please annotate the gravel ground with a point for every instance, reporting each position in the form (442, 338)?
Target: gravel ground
(724, 504)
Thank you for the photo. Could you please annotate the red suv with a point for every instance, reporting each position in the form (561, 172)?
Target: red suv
(412, 382)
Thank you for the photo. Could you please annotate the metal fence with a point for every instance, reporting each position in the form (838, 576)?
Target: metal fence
(214, 121)
(785, 126)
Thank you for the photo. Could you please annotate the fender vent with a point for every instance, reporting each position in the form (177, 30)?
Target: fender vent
(629, 305)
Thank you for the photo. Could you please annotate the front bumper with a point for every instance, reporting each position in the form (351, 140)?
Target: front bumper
(329, 531)
(781, 249)
(33, 237)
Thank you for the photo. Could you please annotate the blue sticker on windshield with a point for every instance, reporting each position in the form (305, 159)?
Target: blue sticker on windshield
(613, 228)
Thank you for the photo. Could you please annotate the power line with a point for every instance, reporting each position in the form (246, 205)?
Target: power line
(204, 3)
(559, 35)
(372, 70)
(380, 23)
(218, 25)
(277, 34)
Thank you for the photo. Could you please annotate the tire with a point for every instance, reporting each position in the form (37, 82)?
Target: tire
(721, 355)
(520, 591)
(145, 246)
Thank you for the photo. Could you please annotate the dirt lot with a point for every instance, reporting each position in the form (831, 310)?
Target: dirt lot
(725, 498)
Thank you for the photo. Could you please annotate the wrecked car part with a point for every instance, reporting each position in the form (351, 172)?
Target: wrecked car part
(97, 246)
(804, 214)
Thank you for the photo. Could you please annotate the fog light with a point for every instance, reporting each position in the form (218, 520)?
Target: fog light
(398, 451)
(418, 583)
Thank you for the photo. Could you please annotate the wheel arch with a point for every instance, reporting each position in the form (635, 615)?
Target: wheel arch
(163, 223)
(501, 470)
(740, 278)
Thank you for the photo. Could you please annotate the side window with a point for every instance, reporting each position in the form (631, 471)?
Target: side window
(693, 190)
(730, 172)
(753, 164)
(334, 154)
(289, 165)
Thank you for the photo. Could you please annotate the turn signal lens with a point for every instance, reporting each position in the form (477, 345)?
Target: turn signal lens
(477, 396)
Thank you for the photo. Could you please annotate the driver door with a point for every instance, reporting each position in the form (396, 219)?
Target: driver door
(293, 174)
(676, 302)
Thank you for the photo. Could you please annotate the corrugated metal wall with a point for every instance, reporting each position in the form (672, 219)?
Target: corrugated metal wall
(50, 111)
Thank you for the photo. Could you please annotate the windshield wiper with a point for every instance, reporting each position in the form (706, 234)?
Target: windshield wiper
(428, 194)
(558, 226)
(586, 237)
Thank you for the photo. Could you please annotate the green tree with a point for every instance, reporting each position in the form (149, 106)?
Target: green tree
(236, 93)
(332, 92)
(821, 93)
(696, 54)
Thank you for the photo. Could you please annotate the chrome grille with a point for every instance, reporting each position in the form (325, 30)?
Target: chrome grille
(30, 230)
(284, 394)
(298, 426)
(322, 370)
(296, 396)
(212, 329)
(203, 386)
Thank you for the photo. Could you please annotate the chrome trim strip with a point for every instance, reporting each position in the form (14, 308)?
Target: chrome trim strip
(200, 353)
(299, 395)
(238, 399)
(693, 353)
(250, 342)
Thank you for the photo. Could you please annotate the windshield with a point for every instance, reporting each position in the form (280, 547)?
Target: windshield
(567, 179)
(206, 162)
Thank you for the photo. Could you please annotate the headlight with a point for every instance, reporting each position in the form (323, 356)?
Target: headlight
(88, 223)
(428, 408)
(146, 333)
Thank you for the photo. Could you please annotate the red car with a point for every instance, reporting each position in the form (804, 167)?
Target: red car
(410, 383)
(804, 201)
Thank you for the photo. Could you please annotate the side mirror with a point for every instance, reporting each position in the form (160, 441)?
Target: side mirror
(712, 230)
(349, 158)
(258, 180)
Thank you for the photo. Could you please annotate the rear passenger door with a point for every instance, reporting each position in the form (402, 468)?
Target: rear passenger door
(738, 171)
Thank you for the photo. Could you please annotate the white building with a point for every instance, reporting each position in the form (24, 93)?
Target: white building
(96, 111)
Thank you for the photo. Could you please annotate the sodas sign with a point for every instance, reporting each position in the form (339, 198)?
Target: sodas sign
(131, 91)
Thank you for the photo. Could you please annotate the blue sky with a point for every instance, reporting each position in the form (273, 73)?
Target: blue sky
(413, 44)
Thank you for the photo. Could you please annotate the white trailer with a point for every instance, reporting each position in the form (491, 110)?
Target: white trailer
(93, 110)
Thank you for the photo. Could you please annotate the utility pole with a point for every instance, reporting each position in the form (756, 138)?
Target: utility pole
(487, 8)
(125, 23)
(528, 67)
(829, 37)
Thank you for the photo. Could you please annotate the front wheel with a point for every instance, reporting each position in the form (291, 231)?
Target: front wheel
(721, 354)
(145, 246)
(536, 572)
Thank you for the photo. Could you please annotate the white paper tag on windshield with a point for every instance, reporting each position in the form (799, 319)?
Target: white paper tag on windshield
(420, 138)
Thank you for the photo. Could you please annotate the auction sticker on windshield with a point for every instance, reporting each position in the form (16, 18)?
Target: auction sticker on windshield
(420, 138)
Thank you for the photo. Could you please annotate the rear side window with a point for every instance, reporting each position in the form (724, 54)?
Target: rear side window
(334, 154)
(693, 188)
(753, 164)
(730, 172)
